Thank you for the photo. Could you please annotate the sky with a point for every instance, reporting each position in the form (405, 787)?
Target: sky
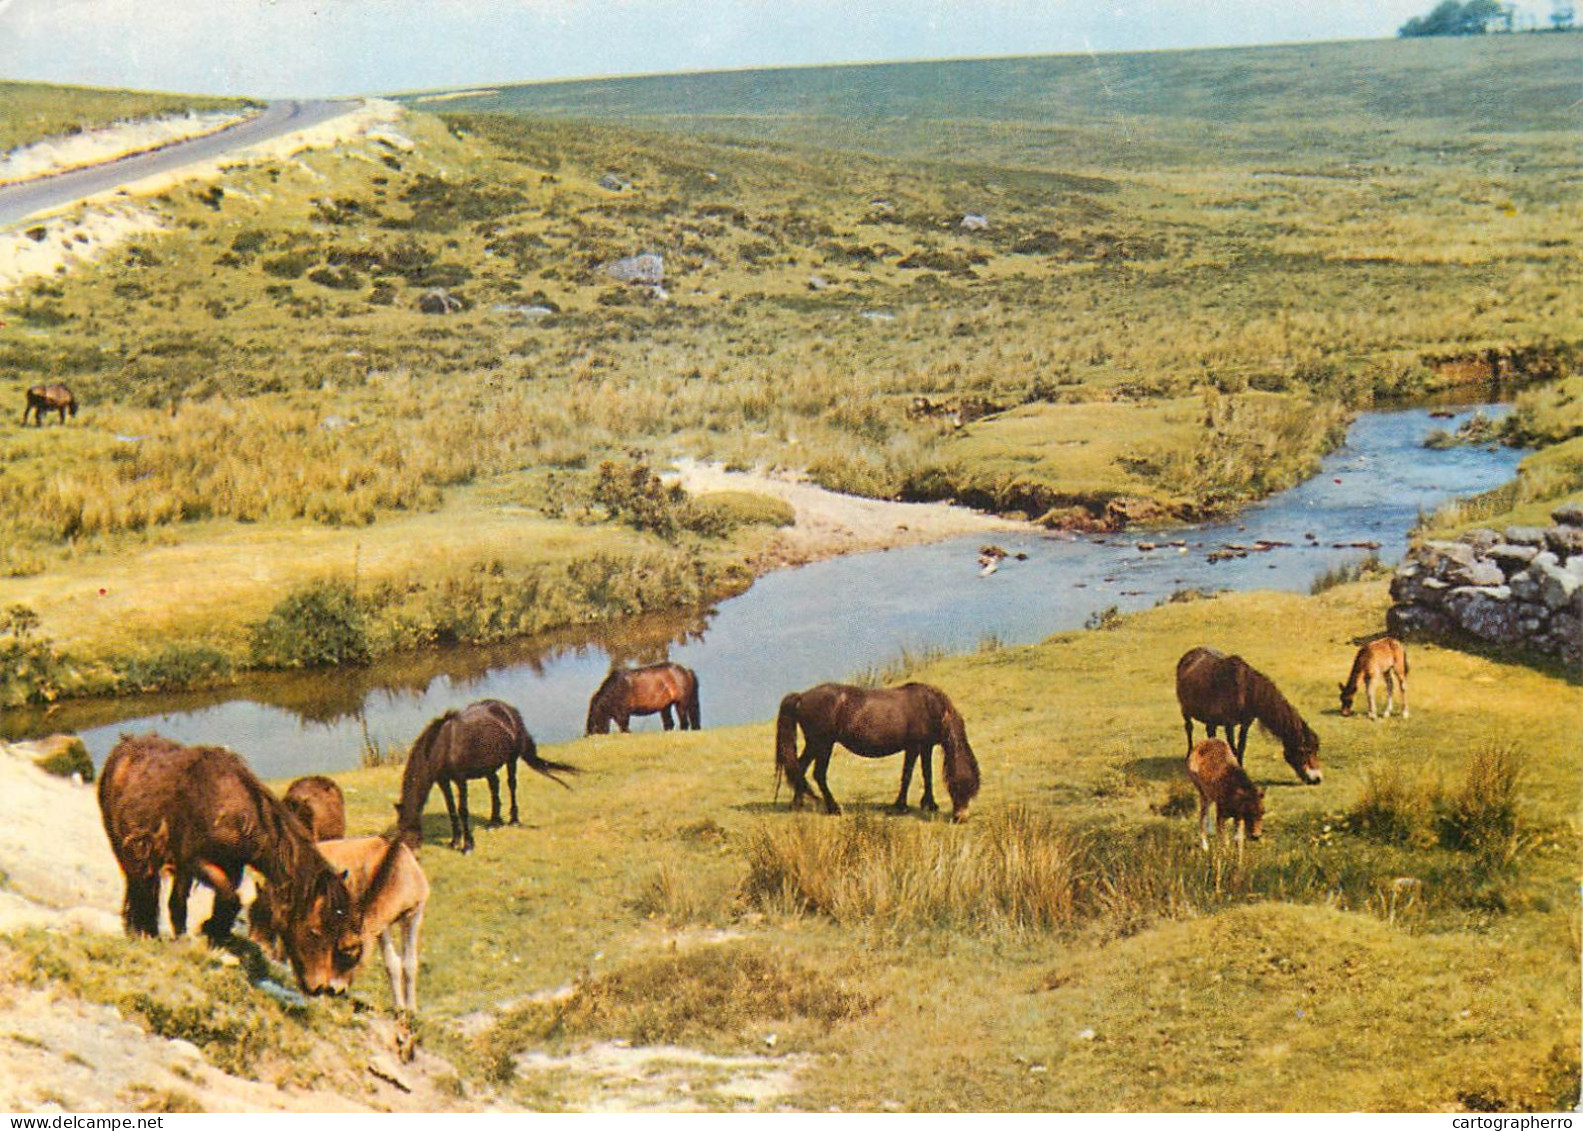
(326, 48)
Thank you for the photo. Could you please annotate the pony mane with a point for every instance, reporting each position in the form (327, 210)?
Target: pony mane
(419, 774)
(292, 864)
(384, 872)
(1359, 662)
(1271, 708)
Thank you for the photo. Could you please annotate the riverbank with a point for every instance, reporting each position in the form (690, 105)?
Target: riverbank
(829, 524)
(663, 967)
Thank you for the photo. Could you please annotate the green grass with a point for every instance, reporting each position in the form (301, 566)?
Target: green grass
(1067, 903)
(30, 112)
(1403, 938)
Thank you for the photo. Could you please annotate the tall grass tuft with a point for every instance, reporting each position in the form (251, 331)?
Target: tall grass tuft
(903, 665)
(1482, 816)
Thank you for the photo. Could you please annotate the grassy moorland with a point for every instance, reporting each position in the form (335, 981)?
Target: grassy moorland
(1403, 938)
(1173, 299)
(30, 112)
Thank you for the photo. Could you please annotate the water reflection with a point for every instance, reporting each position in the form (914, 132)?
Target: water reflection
(831, 619)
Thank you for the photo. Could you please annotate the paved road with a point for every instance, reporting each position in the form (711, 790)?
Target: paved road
(19, 201)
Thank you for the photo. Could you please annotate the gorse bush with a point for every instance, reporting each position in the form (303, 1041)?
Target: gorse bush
(320, 625)
(31, 670)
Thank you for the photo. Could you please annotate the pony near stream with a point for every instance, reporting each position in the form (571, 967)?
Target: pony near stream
(199, 812)
(910, 719)
(656, 689)
(457, 747)
(1225, 691)
(1379, 661)
(390, 890)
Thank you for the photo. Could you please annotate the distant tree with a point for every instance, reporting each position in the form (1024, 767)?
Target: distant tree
(1561, 15)
(1452, 18)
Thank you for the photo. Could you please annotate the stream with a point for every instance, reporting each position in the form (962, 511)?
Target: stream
(832, 619)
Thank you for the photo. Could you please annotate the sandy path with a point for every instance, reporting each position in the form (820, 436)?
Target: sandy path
(829, 523)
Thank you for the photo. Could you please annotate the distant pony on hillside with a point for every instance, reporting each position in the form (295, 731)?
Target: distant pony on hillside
(49, 398)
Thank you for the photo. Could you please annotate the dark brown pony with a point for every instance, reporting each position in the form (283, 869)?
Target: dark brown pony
(49, 398)
(645, 691)
(1223, 691)
(1384, 660)
(875, 724)
(319, 805)
(1222, 783)
(474, 742)
(200, 812)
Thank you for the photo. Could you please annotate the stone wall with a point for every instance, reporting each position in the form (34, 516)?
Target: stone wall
(1521, 588)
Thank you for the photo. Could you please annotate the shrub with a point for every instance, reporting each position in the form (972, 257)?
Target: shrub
(66, 755)
(728, 510)
(320, 625)
(176, 666)
(289, 265)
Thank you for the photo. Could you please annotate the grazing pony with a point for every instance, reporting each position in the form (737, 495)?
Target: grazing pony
(390, 891)
(644, 691)
(1223, 783)
(876, 724)
(49, 398)
(1224, 691)
(1385, 660)
(319, 805)
(457, 747)
(200, 812)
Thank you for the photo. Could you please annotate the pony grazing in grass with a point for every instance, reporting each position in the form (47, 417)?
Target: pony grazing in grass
(1223, 691)
(645, 691)
(391, 892)
(876, 724)
(49, 398)
(1222, 782)
(474, 742)
(319, 805)
(200, 812)
(1384, 660)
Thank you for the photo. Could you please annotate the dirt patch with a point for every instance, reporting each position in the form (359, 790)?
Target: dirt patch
(613, 1076)
(829, 524)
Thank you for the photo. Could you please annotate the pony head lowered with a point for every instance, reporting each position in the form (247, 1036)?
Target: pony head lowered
(961, 767)
(602, 706)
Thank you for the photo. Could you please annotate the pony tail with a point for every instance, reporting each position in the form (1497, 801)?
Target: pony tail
(692, 702)
(786, 745)
(530, 757)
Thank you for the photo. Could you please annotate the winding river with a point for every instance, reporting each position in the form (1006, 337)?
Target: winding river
(832, 619)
